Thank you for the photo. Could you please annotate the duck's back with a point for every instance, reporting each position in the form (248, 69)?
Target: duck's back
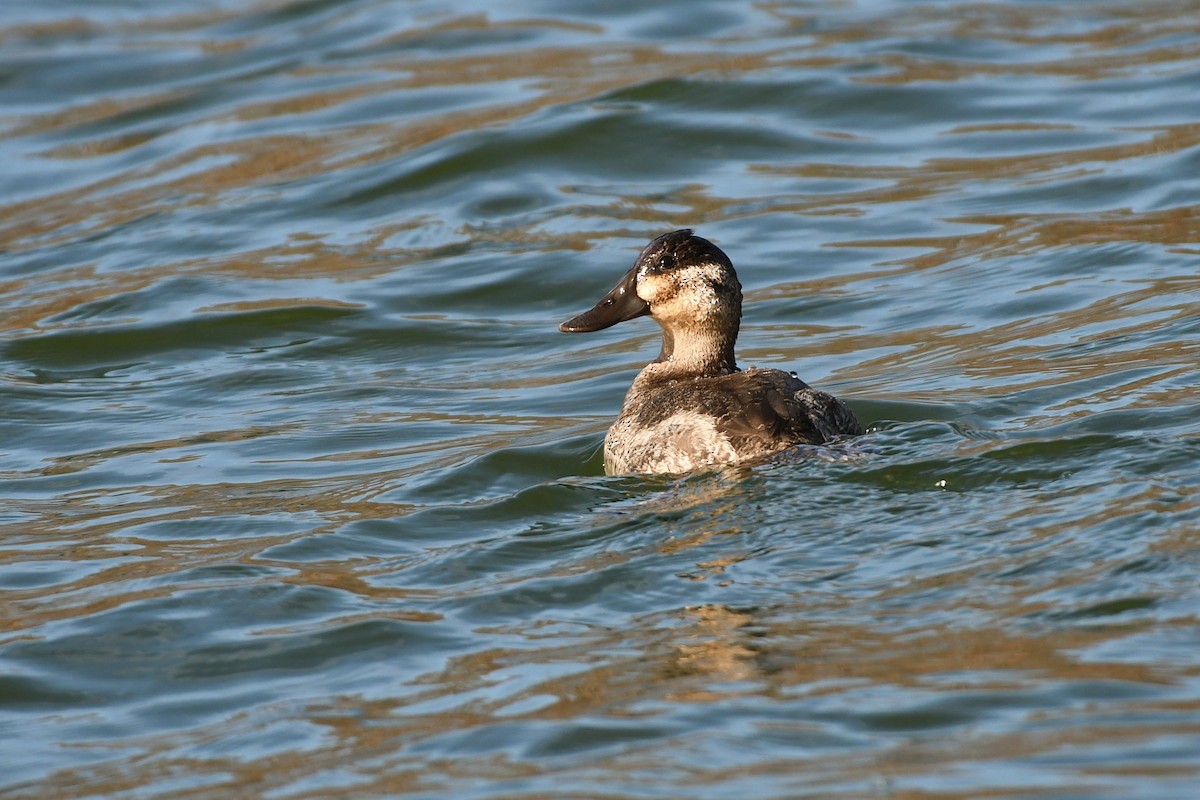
(680, 424)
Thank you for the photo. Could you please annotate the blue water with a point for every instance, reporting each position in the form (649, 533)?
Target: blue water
(300, 487)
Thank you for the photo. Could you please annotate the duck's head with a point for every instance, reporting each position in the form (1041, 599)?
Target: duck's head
(688, 286)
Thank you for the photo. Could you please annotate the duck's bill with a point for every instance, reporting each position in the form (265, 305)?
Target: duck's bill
(620, 304)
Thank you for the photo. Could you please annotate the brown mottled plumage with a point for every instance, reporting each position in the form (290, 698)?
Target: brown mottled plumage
(693, 407)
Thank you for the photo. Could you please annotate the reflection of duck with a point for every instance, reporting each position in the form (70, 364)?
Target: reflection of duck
(692, 407)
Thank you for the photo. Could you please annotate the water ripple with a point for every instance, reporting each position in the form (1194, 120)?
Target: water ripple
(302, 492)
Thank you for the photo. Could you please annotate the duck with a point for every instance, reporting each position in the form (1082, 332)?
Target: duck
(693, 408)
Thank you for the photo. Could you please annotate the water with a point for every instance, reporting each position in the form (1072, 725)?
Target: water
(301, 490)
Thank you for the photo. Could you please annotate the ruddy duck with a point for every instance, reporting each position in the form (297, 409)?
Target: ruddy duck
(693, 407)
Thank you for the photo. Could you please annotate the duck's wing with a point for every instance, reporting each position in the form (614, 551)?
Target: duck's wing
(828, 415)
(771, 408)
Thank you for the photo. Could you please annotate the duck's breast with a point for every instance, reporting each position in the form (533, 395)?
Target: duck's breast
(684, 441)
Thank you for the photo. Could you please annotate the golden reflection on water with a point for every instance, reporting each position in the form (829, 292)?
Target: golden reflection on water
(704, 655)
(568, 75)
(707, 655)
(565, 75)
(783, 660)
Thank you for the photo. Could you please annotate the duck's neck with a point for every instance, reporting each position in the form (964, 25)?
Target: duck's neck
(696, 353)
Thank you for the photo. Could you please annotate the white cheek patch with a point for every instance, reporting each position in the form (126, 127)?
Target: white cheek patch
(672, 309)
(653, 288)
(688, 291)
(704, 276)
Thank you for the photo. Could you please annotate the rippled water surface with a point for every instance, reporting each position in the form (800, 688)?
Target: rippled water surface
(300, 486)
